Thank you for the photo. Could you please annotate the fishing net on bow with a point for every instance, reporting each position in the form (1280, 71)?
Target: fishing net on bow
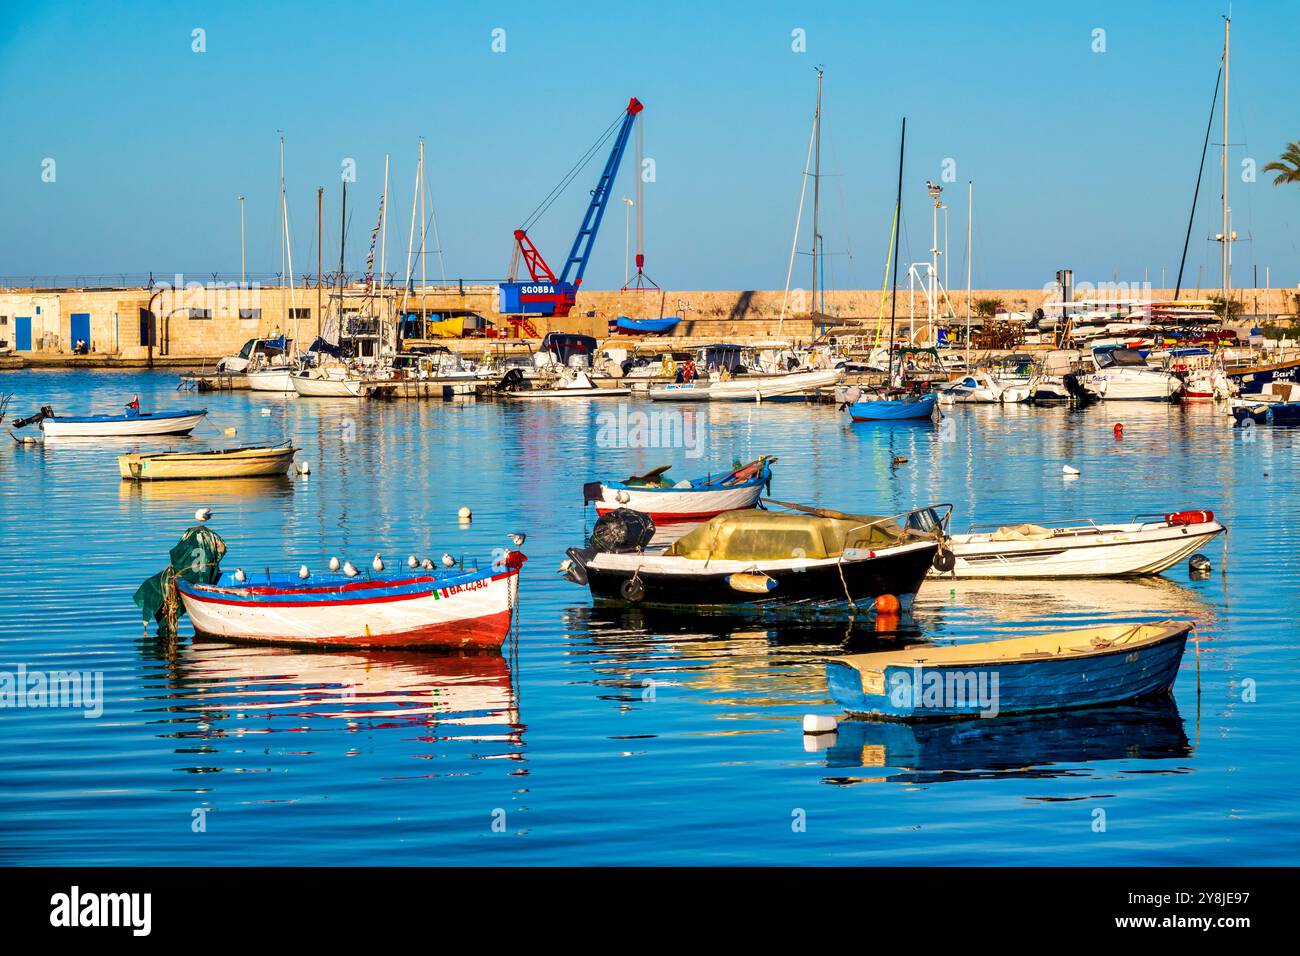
(195, 558)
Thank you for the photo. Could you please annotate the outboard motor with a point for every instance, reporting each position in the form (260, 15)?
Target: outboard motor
(512, 381)
(622, 531)
(1074, 385)
(45, 412)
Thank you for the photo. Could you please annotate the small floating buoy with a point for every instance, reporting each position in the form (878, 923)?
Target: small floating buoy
(266, 413)
(304, 468)
(448, 561)
(887, 604)
(819, 724)
(751, 583)
(1069, 470)
(349, 570)
(303, 573)
(377, 565)
(899, 460)
(464, 514)
(1198, 564)
(1119, 430)
(412, 562)
(334, 564)
(240, 576)
(232, 431)
(202, 515)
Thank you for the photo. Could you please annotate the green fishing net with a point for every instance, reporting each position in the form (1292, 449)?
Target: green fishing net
(196, 558)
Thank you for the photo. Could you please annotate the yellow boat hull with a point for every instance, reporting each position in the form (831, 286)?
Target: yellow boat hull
(234, 463)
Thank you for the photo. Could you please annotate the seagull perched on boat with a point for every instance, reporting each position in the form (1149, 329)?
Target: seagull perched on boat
(448, 561)
(240, 576)
(334, 564)
(349, 570)
(412, 562)
(202, 515)
(518, 537)
(303, 573)
(378, 564)
(427, 564)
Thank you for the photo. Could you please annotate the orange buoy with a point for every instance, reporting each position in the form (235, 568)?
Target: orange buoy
(1119, 430)
(887, 604)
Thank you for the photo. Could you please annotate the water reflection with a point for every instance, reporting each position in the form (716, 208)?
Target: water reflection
(208, 490)
(233, 689)
(1029, 745)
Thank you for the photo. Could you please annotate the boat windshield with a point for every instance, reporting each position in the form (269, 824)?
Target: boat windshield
(1120, 357)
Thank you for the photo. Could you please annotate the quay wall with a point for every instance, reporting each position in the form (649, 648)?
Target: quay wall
(201, 323)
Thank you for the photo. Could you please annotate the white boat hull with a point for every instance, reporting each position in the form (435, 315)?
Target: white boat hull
(327, 387)
(1152, 387)
(749, 388)
(667, 507)
(271, 380)
(125, 428)
(1092, 551)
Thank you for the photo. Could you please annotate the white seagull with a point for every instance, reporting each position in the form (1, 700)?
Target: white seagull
(240, 576)
(518, 537)
(377, 565)
(334, 564)
(303, 573)
(349, 570)
(448, 561)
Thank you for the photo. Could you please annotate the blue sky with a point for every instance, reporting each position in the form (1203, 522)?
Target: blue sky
(1079, 159)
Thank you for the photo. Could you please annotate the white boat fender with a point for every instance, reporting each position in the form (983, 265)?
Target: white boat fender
(1069, 470)
(334, 564)
(819, 724)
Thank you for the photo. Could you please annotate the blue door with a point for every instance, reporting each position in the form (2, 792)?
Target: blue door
(23, 334)
(79, 328)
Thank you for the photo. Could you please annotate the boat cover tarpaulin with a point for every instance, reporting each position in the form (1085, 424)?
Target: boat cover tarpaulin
(755, 535)
(196, 558)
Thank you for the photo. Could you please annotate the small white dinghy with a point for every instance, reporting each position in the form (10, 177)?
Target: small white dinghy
(571, 384)
(1083, 549)
(133, 424)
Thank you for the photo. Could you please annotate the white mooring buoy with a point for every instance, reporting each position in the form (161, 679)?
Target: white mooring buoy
(819, 724)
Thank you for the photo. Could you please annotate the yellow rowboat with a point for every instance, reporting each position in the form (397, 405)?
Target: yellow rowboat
(250, 462)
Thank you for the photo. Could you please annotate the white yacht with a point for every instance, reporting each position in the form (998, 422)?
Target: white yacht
(1122, 374)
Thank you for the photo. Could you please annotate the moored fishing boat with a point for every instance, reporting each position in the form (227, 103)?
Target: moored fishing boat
(252, 461)
(748, 388)
(811, 557)
(694, 499)
(463, 607)
(1082, 667)
(334, 381)
(885, 407)
(643, 326)
(133, 424)
(570, 384)
(1083, 548)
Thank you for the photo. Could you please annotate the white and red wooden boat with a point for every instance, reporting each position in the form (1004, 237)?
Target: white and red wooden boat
(695, 499)
(462, 608)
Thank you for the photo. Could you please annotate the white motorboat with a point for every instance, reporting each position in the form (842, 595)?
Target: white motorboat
(572, 383)
(133, 424)
(1083, 549)
(330, 381)
(272, 378)
(982, 388)
(748, 388)
(1122, 374)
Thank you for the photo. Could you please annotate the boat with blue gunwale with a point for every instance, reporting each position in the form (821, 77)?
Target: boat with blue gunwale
(132, 424)
(899, 408)
(694, 499)
(1083, 667)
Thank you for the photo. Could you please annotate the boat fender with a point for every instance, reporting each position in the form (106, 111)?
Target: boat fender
(819, 724)
(1178, 518)
(632, 589)
(751, 583)
(944, 560)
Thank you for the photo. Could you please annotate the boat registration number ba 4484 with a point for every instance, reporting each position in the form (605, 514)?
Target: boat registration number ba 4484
(461, 588)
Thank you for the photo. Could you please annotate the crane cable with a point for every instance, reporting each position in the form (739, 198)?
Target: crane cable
(572, 174)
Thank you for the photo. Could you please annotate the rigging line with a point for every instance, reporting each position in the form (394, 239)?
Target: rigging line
(1199, 172)
(798, 219)
(572, 174)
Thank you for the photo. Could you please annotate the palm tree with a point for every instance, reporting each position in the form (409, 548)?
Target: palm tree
(1287, 167)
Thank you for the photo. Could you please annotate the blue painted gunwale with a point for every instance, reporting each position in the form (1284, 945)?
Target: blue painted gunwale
(141, 416)
(1027, 686)
(328, 587)
(703, 483)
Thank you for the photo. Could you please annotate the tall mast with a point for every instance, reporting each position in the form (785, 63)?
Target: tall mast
(970, 221)
(424, 277)
(343, 238)
(1227, 238)
(286, 248)
(282, 217)
(320, 234)
(410, 240)
(817, 181)
(898, 214)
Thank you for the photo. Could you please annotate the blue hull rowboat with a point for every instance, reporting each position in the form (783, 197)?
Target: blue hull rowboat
(644, 326)
(1043, 672)
(1269, 413)
(893, 409)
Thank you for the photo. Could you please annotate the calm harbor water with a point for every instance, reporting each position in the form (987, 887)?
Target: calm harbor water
(626, 737)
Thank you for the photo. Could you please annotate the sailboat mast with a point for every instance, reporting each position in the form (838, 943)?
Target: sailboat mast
(424, 277)
(343, 238)
(898, 214)
(817, 182)
(320, 235)
(287, 250)
(383, 233)
(1227, 278)
(970, 222)
(282, 217)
